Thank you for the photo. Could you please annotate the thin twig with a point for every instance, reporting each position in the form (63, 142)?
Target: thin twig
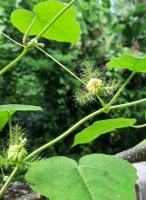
(12, 39)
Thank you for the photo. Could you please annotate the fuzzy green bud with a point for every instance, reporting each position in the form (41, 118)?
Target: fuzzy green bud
(16, 153)
(32, 42)
(23, 141)
(95, 86)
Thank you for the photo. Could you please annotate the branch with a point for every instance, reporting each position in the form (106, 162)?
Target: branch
(25, 50)
(135, 154)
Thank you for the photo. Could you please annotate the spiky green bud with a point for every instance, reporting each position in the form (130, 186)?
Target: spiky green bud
(16, 153)
(95, 86)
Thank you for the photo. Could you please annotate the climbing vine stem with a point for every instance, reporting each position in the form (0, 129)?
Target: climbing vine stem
(14, 61)
(8, 181)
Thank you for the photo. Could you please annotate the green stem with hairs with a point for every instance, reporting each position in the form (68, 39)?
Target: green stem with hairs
(67, 70)
(7, 183)
(14, 61)
(55, 19)
(101, 101)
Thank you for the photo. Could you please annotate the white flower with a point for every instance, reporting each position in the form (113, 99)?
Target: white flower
(94, 86)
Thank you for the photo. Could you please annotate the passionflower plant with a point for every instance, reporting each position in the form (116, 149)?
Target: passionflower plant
(95, 85)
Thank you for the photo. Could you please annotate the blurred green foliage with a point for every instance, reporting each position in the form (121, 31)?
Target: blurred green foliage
(109, 29)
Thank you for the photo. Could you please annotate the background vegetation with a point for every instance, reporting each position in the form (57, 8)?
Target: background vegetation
(109, 29)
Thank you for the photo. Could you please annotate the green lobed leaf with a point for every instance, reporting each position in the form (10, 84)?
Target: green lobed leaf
(65, 29)
(97, 176)
(10, 109)
(101, 127)
(136, 64)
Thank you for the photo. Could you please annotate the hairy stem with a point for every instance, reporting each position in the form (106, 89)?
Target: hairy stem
(101, 101)
(14, 61)
(5, 186)
(71, 73)
(55, 19)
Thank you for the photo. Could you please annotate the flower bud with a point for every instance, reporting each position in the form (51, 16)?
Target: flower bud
(40, 45)
(16, 153)
(23, 141)
(32, 42)
(95, 86)
(5, 178)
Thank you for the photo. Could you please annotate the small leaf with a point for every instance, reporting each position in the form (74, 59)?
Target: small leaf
(136, 64)
(97, 176)
(101, 127)
(10, 109)
(65, 29)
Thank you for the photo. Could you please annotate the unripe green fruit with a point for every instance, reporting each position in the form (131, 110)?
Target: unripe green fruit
(95, 86)
(16, 153)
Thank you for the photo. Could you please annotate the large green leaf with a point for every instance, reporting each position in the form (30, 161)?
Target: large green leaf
(65, 29)
(101, 127)
(96, 177)
(10, 109)
(136, 64)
